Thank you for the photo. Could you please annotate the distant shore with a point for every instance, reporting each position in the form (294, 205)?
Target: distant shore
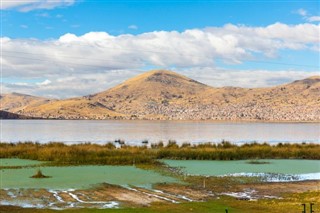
(173, 120)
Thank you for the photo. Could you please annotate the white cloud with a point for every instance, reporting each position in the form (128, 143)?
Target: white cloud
(133, 27)
(44, 83)
(80, 65)
(28, 5)
(313, 18)
(302, 12)
(305, 15)
(21, 84)
(245, 78)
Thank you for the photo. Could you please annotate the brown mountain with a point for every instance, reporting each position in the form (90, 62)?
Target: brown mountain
(164, 94)
(16, 102)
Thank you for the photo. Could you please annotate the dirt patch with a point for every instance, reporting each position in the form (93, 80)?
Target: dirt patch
(187, 191)
(278, 189)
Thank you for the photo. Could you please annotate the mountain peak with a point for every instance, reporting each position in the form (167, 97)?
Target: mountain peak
(167, 77)
(160, 78)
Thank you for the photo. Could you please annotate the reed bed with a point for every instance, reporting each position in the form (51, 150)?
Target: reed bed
(110, 154)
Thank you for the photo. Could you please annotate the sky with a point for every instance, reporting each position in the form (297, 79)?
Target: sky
(68, 48)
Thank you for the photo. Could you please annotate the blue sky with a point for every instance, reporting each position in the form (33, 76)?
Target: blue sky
(134, 17)
(47, 47)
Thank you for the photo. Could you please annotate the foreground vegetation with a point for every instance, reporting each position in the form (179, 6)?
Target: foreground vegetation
(62, 154)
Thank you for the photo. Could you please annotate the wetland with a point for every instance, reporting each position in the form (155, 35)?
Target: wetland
(140, 178)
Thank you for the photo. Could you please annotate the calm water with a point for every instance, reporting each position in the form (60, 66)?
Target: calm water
(300, 169)
(133, 132)
(79, 177)
(206, 167)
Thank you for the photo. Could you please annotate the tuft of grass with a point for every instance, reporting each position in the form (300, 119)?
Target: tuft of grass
(39, 175)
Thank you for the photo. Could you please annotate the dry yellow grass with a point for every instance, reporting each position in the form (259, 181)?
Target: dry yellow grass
(16, 102)
(76, 108)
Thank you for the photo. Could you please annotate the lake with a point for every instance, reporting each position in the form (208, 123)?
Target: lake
(269, 169)
(133, 132)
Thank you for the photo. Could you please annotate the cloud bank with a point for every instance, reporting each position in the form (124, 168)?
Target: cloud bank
(79, 65)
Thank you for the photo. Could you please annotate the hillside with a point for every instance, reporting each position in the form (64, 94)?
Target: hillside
(16, 102)
(152, 95)
(10, 115)
(75, 108)
(162, 94)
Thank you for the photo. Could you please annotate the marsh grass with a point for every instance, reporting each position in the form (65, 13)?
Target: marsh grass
(107, 154)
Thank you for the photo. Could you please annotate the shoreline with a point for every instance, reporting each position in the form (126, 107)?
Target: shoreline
(173, 120)
(118, 143)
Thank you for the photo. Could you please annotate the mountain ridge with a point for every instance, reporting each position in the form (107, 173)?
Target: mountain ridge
(166, 95)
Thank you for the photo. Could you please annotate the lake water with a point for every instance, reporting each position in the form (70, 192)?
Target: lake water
(133, 132)
(270, 170)
(78, 177)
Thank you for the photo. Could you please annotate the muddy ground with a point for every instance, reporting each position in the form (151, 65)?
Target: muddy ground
(112, 196)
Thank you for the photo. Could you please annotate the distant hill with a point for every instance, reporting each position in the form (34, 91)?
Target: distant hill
(9, 115)
(153, 95)
(166, 95)
(16, 102)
